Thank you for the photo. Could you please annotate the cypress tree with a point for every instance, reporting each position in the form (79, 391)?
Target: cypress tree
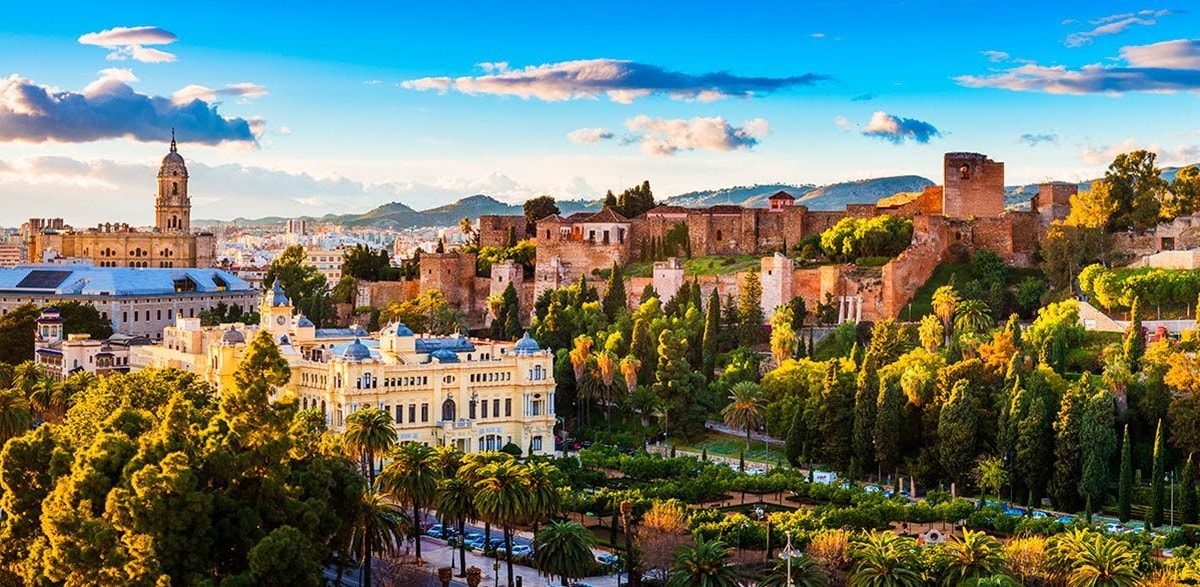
(1125, 485)
(512, 313)
(956, 429)
(889, 421)
(1034, 448)
(1014, 328)
(712, 331)
(1155, 516)
(1135, 343)
(614, 293)
(1067, 452)
(837, 423)
(647, 293)
(1187, 493)
(794, 446)
(866, 396)
(1098, 442)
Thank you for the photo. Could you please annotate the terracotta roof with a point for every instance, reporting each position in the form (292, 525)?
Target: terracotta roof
(781, 195)
(607, 215)
(579, 217)
(552, 218)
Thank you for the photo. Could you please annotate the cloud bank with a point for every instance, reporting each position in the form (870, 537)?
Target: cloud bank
(666, 137)
(243, 92)
(620, 81)
(1115, 24)
(589, 136)
(130, 43)
(109, 108)
(1104, 154)
(1168, 66)
(895, 129)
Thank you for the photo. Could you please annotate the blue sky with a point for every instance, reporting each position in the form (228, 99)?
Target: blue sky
(287, 110)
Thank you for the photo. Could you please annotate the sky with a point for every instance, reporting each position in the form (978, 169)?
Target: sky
(314, 108)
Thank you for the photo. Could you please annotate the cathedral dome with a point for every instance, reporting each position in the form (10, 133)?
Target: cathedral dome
(356, 351)
(173, 163)
(526, 346)
(232, 337)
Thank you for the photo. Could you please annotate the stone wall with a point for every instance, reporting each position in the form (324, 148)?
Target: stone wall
(381, 293)
(908, 272)
(453, 274)
(493, 229)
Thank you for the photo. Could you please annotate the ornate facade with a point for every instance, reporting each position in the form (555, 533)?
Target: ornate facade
(171, 243)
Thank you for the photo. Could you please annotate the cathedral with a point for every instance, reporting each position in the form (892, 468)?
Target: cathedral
(171, 243)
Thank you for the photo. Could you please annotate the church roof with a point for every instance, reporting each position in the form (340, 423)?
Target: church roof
(173, 163)
(116, 281)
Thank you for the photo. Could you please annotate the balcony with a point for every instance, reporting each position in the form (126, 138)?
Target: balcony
(455, 424)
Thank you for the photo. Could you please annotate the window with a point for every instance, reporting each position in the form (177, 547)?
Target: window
(536, 444)
(496, 407)
(412, 413)
(424, 412)
(472, 409)
(399, 414)
(135, 315)
(485, 410)
(448, 409)
(718, 235)
(508, 407)
(964, 172)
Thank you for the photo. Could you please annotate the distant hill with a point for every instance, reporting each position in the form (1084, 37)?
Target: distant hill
(835, 196)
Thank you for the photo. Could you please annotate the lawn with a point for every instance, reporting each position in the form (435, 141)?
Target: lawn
(723, 445)
(717, 265)
(922, 301)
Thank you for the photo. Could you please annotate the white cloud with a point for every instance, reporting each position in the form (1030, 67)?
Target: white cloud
(109, 108)
(897, 130)
(996, 56)
(1035, 139)
(589, 136)
(130, 43)
(844, 123)
(665, 137)
(1115, 24)
(818, 35)
(1168, 66)
(243, 91)
(1104, 154)
(619, 81)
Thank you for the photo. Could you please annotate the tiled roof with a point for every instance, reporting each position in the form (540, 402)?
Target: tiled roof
(723, 209)
(114, 281)
(607, 215)
(781, 195)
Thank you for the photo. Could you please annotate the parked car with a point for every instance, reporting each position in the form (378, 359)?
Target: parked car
(434, 531)
(872, 489)
(517, 550)
(1040, 515)
(1115, 528)
(606, 559)
(493, 544)
(1065, 519)
(1014, 511)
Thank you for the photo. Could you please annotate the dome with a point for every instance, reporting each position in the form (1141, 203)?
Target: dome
(279, 299)
(526, 346)
(402, 330)
(304, 322)
(233, 336)
(359, 330)
(396, 329)
(444, 356)
(173, 163)
(356, 351)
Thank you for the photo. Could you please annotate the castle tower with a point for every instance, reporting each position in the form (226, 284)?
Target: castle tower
(668, 278)
(973, 187)
(776, 278)
(172, 207)
(276, 311)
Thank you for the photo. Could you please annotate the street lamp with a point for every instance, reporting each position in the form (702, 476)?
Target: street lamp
(496, 570)
(787, 555)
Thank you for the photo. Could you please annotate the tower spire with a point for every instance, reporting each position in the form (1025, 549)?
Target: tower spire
(172, 139)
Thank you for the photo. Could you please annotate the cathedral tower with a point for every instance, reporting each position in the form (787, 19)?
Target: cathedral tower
(173, 208)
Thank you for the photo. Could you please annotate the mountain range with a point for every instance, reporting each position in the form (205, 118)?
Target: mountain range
(834, 196)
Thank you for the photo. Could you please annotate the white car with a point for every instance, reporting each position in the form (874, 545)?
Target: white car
(1114, 528)
(521, 550)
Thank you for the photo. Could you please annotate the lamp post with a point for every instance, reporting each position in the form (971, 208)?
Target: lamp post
(496, 570)
(1171, 476)
(787, 555)
(767, 442)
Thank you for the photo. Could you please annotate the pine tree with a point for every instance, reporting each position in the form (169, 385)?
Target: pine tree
(750, 310)
(1135, 342)
(614, 292)
(1159, 470)
(511, 313)
(837, 421)
(889, 422)
(712, 333)
(610, 201)
(1014, 328)
(1034, 455)
(957, 427)
(647, 293)
(794, 447)
(1098, 442)
(1067, 453)
(1125, 485)
(866, 397)
(1187, 493)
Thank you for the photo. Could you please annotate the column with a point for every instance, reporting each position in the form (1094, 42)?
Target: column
(841, 309)
(858, 308)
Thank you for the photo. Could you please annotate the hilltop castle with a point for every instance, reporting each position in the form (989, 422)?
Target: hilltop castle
(171, 243)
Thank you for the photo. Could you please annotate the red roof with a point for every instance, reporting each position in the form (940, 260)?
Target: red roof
(607, 215)
(781, 195)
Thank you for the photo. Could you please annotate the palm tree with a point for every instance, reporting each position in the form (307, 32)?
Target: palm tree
(564, 549)
(369, 433)
(411, 477)
(805, 573)
(471, 470)
(606, 371)
(645, 403)
(544, 499)
(746, 408)
(945, 302)
(15, 417)
(502, 498)
(25, 377)
(704, 565)
(991, 474)
(456, 501)
(379, 526)
(1093, 560)
(973, 316)
(446, 461)
(883, 559)
(973, 557)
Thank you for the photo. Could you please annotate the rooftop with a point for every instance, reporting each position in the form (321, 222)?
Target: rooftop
(116, 281)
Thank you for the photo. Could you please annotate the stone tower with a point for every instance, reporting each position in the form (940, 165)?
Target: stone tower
(777, 277)
(172, 207)
(974, 186)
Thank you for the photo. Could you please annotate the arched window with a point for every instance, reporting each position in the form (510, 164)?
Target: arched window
(964, 172)
(174, 188)
(448, 409)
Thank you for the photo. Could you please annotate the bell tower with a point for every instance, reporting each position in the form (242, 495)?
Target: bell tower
(173, 207)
